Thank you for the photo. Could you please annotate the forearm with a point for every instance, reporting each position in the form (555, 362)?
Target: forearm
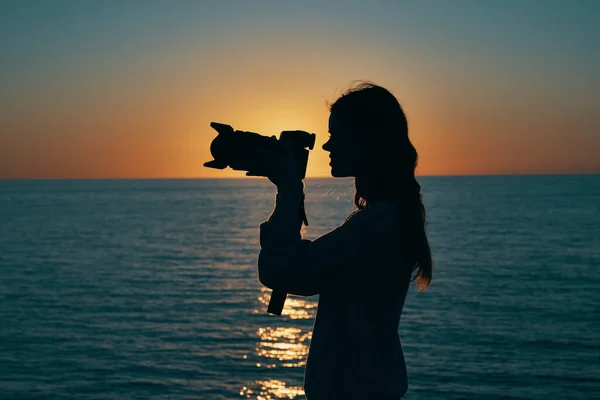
(280, 240)
(285, 221)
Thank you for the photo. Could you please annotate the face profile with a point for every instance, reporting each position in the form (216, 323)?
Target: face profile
(344, 153)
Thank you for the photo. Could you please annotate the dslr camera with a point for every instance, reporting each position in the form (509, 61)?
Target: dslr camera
(231, 147)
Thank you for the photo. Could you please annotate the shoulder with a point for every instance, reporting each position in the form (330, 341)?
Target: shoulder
(382, 210)
(381, 216)
(386, 207)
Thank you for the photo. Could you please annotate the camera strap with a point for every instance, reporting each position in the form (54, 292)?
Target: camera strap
(303, 211)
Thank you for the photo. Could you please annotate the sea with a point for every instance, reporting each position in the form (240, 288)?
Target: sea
(148, 289)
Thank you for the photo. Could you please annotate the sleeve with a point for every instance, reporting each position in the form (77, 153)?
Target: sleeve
(287, 262)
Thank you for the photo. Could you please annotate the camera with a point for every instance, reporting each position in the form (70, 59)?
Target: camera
(231, 147)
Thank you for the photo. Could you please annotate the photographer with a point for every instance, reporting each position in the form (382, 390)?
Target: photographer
(362, 269)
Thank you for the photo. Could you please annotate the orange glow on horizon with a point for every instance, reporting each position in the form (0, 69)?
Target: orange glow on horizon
(166, 133)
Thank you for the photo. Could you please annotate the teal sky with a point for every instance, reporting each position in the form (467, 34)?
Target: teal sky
(128, 89)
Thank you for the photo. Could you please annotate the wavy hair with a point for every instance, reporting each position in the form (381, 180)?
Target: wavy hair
(389, 170)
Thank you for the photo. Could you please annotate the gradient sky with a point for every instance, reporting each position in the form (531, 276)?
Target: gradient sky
(108, 89)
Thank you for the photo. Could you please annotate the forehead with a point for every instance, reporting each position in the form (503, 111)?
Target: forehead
(336, 123)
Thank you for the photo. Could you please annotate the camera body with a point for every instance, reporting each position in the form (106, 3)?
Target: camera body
(232, 147)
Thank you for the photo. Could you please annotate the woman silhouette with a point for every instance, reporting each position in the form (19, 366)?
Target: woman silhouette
(362, 269)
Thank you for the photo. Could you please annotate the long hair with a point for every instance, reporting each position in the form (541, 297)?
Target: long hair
(389, 168)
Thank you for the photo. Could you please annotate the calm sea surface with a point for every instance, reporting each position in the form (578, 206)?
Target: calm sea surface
(148, 289)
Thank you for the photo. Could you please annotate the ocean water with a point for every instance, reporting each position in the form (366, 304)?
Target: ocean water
(148, 289)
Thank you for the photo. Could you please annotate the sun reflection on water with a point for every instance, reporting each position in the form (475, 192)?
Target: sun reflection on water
(279, 348)
(284, 344)
(272, 389)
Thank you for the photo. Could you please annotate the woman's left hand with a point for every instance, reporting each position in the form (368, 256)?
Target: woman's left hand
(282, 166)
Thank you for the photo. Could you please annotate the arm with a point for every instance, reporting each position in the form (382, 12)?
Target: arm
(289, 263)
(283, 226)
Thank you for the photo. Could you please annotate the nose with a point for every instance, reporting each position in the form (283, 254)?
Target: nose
(326, 146)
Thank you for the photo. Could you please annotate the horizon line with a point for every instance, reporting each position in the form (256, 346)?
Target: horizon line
(307, 178)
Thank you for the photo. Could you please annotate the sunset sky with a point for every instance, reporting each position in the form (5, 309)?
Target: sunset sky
(126, 89)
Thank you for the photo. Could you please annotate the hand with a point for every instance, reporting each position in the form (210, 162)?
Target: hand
(283, 166)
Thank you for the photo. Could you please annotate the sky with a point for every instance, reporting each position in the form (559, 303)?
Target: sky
(127, 89)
